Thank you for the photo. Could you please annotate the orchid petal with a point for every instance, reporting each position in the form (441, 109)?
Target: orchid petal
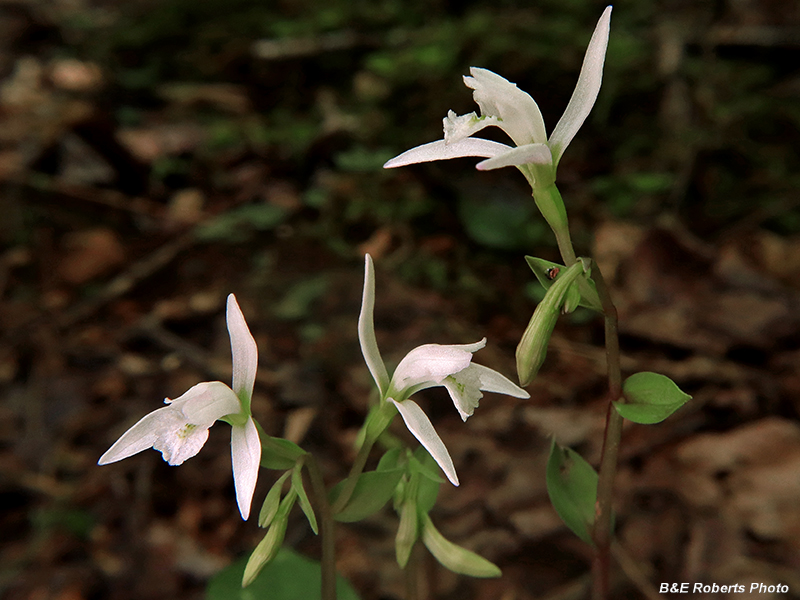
(207, 402)
(519, 114)
(459, 127)
(421, 427)
(465, 387)
(586, 90)
(179, 430)
(492, 381)
(530, 153)
(366, 329)
(139, 437)
(440, 150)
(246, 459)
(432, 363)
(244, 352)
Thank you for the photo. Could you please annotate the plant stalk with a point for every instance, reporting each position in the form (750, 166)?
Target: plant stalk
(602, 531)
(352, 478)
(328, 529)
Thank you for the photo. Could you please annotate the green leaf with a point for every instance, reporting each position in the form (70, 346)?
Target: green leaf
(389, 460)
(290, 576)
(278, 453)
(429, 481)
(548, 273)
(305, 505)
(572, 487)
(372, 491)
(651, 398)
(270, 507)
(457, 559)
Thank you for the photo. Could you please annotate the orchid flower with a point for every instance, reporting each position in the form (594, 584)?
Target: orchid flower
(180, 429)
(504, 105)
(424, 367)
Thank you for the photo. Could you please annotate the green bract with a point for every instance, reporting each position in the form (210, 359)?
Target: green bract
(548, 272)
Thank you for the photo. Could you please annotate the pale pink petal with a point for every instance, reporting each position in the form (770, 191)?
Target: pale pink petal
(538, 154)
(246, 459)
(439, 150)
(586, 90)
(421, 427)
(366, 329)
(244, 352)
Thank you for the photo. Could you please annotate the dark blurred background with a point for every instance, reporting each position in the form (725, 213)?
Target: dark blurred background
(158, 155)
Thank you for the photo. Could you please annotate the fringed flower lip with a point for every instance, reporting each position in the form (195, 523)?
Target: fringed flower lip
(502, 104)
(180, 429)
(427, 366)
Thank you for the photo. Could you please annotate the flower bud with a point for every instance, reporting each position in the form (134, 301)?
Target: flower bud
(407, 532)
(457, 559)
(266, 550)
(532, 348)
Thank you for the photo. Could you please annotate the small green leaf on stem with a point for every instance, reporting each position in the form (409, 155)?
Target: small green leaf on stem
(548, 272)
(650, 398)
(572, 487)
(372, 491)
(305, 505)
(277, 453)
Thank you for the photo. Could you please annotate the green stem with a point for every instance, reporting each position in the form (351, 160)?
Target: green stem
(412, 572)
(328, 529)
(352, 477)
(602, 532)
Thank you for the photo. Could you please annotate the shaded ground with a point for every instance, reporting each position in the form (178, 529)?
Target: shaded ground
(155, 159)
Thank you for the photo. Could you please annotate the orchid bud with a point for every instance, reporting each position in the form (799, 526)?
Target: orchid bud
(457, 559)
(266, 550)
(532, 348)
(571, 300)
(407, 532)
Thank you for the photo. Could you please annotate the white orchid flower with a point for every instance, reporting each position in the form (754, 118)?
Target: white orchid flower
(424, 367)
(180, 429)
(505, 106)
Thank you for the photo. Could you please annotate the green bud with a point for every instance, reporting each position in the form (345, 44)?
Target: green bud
(532, 348)
(457, 559)
(266, 550)
(270, 507)
(378, 419)
(571, 300)
(407, 532)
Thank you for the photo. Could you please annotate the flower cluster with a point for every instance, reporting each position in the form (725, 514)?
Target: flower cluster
(504, 105)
